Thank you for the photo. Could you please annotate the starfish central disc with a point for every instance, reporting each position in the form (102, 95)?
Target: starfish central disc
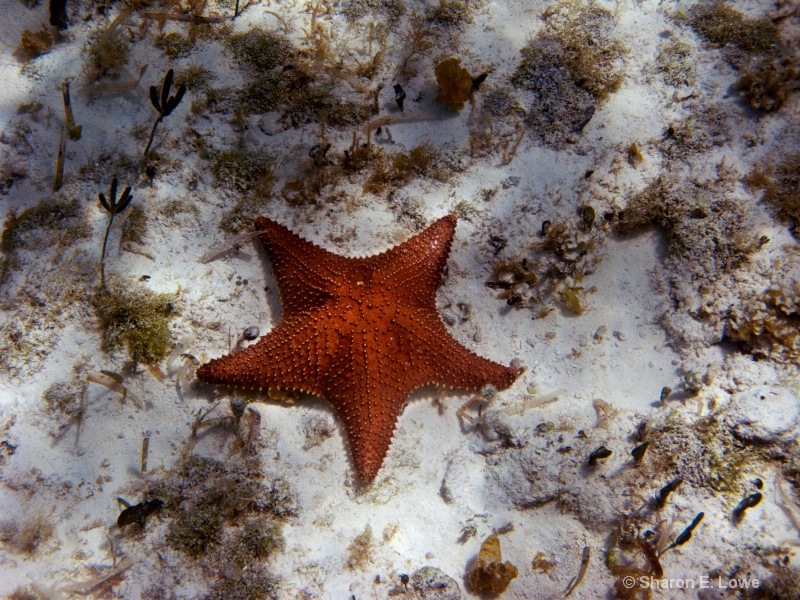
(363, 333)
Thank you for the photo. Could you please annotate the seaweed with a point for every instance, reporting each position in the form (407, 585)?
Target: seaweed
(315, 104)
(27, 536)
(164, 104)
(260, 50)
(309, 187)
(268, 59)
(417, 40)
(195, 531)
(719, 23)
(107, 50)
(194, 77)
(390, 10)
(392, 171)
(702, 230)
(217, 100)
(223, 511)
(267, 91)
(782, 189)
(674, 62)
(570, 69)
(51, 294)
(10, 173)
(175, 44)
(359, 552)
(450, 13)
(134, 229)
(137, 319)
(47, 223)
(768, 85)
(257, 539)
(35, 43)
(700, 131)
(240, 171)
(113, 207)
(253, 583)
(30, 228)
(704, 454)
(767, 323)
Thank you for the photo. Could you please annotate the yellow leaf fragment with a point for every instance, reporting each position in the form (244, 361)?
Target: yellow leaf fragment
(455, 83)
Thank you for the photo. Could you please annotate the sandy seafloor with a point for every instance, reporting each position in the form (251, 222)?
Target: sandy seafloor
(446, 485)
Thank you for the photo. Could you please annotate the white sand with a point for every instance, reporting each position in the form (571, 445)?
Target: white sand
(437, 479)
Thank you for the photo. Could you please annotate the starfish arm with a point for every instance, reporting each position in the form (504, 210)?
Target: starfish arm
(413, 270)
(368, 396)
(440, 359)
(370, 423)
(307, 275)
(293, 356)
(377, 369)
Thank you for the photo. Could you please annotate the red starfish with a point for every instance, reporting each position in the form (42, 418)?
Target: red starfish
(363, 333)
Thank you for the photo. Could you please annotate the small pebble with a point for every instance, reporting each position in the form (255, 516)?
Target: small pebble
(511, 182)
(251, 333)
(237, 407)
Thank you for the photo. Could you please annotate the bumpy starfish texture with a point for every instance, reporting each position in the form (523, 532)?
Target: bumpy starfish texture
(363, 333)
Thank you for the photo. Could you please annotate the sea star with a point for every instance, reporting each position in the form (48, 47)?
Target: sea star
(363, 333)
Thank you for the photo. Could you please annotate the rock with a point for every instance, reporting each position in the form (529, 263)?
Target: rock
(461, 478)
(270, 123)
(524, 476)
(431, 584)
(763, 413)
(251, 333)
